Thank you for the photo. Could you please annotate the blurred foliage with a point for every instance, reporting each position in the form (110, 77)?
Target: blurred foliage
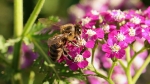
(6, 18)
(51, 7)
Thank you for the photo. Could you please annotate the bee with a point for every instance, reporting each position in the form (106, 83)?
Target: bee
(57, 44)
(73, 31)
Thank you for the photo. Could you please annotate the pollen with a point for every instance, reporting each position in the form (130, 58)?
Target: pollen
(120, 37)
(132, 31)
(118, 15)
(135, 20)
(85, 21)
(115, 48)
(78, 58)
(90, 32)
(106, 28)
(81, 42)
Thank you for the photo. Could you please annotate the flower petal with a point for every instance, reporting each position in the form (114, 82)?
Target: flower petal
(120, 54)
(90, 44)
(106, 48)
(82, 64)
(100, 33)
(72, 65)
(86, 54)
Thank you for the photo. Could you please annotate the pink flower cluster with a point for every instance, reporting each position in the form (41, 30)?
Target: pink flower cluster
(113, 29)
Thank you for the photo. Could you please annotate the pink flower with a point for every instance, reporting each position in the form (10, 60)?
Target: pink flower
(78, 58)
(113, 49)
(91, 35)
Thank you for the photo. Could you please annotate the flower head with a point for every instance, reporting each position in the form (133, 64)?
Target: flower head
(113, 49)
(79, 60)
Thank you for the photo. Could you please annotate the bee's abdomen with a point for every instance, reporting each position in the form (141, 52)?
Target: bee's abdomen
(55, 52)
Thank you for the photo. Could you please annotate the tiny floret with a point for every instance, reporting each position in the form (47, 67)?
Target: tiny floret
(115, 48)
(106, 28)
(120, 37)
(90, 32)
(85, 21)
(135, 20)
(132, 31)
(78, 58)
(81, 42)
(118, 15)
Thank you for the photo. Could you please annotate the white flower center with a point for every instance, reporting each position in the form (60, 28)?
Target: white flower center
(78, 58)
(81, 42)
(85, 21)
(135, 20)
(131, 31)
(118, 15)
(106, 28)
(94, 12)
(90, 32)
(120, 37)
(115, 48)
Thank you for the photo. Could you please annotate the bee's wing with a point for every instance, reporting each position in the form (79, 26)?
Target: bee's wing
(47, 22)
(55, 39)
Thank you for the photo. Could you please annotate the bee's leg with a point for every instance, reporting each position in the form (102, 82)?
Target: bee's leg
(74, 44)
(65, 53)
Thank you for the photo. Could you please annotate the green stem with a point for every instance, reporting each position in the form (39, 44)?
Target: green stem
(18, 28)
(102, 76)
(128, 53)
(111, 70)
(122, 65)
(136, 53)
(92, 62)
(46, 57)
(138, 73)
(99, 74)
(127, 70)
(18, 17)
(17, 77)
(128, 74)
(93, 52)
(16, 56)
(33, 16)
(110, 81)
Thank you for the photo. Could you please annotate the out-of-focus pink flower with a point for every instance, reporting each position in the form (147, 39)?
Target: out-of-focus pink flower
(27, 55)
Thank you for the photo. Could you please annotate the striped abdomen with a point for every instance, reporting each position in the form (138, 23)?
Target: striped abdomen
(56, 51)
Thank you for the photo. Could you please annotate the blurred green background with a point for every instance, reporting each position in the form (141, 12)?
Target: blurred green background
(51, 7)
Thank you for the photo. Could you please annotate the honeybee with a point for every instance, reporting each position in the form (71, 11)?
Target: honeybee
(57, 44)
(73, 31)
